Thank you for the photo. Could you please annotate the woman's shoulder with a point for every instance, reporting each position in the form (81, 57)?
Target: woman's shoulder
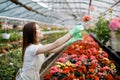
(33, 47)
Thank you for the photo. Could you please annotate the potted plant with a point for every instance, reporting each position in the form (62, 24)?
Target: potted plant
(5, 32)
(102, 31)
(114, 26)
(5, 35)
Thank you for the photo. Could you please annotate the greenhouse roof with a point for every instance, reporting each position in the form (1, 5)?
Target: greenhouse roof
(64, 12)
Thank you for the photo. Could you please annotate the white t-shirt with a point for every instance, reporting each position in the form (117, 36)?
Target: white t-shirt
(32, 63)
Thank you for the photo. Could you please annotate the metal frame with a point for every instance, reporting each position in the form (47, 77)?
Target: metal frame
(53, 16)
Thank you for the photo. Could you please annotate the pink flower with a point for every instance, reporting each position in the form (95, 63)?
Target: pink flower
(62, 60)
(112, 71)
(92, 57)
(92, 7)
(54, 69)
(73, 56)
(83, 57)
(76, 59)
(100, 73)
(107, 68)
(64, 55)
(95, 61)
(114, 24)
(101, 56)
(105, 54)
(78, 63)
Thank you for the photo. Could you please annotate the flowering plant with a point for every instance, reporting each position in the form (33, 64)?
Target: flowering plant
(83, 60)
(86, 18)
(102, 30)
(114, 24)
(6, 28)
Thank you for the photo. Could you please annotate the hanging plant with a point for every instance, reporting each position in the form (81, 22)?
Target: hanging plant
(86, 18)
(102, 31)
(5, 32)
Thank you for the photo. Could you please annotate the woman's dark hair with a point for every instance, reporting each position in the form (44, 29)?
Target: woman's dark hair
(29, 36)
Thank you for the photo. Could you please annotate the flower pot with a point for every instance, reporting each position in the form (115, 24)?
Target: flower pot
(21, 33)
(5, 35)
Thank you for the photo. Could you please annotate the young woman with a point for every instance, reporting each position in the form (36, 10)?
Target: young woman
(33, 50)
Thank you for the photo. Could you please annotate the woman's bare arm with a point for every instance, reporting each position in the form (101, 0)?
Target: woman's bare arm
(57, 43)
(58, 49)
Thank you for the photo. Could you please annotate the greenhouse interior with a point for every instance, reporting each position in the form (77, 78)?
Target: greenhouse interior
(59, 39)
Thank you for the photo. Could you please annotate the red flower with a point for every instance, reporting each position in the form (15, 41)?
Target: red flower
(105, 54)
(93, 65)
(96, 78)
(47, 76)
(105, 61)
(71, 77)
(65, 70)
(102, 69)
(109, 77)
(90, 62)
(91, 70)
(55, 78)
(117, 77)
(82, 69)
(81, 78)
(65, 78)
(90, 76)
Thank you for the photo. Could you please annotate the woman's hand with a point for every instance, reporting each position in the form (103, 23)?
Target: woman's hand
(76, 29)
(76, 37)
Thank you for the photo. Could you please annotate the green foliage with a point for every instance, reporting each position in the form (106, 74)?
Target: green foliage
(6, 31)
(52, 37)
(12, 61)
(0, 25)
(5, 45)
(15, 36)
(9, 64)
(118, 34)
(102, 31)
